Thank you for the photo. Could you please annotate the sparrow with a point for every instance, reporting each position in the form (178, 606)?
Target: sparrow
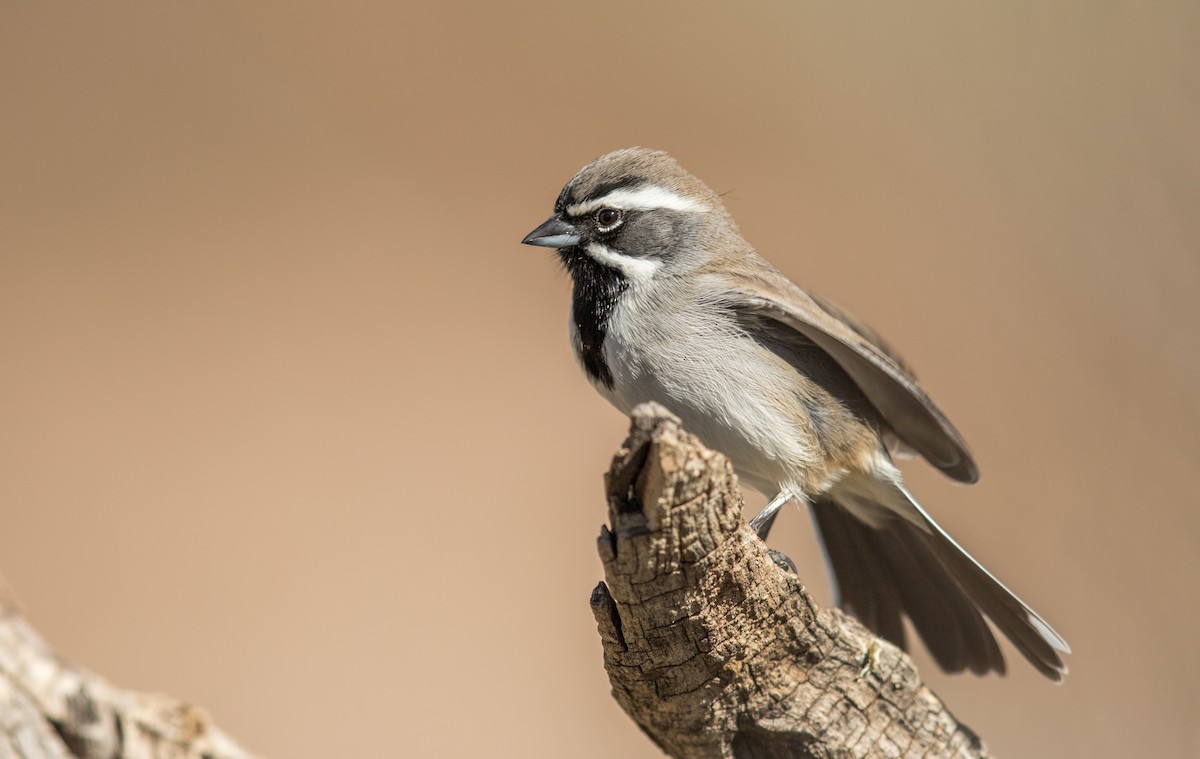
(671, 304)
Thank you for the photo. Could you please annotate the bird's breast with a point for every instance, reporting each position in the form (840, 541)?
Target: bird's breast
(736, 396)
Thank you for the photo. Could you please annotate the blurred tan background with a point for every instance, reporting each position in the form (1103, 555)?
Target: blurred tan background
(289, 425)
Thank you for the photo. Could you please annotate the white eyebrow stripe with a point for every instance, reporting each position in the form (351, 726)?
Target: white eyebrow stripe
(636, 270)
(644, 198)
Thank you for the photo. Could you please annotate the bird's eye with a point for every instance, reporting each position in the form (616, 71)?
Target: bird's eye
(607, 218)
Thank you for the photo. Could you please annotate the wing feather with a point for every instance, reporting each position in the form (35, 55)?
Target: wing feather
(759, 290)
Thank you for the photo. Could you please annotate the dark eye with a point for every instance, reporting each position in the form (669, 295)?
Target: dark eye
(607, 218)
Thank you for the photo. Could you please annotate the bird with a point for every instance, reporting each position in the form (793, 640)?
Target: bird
(671, 304)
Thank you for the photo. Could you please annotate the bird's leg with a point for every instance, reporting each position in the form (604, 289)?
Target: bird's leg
(762, 523)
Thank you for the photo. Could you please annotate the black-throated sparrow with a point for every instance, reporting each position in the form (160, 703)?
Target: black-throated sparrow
(672, 305)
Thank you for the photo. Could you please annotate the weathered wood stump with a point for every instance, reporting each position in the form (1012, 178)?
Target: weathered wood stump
(51, 709)
(713, 646)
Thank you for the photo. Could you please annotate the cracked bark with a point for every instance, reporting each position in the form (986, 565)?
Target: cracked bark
(50, 709)
(711, 643)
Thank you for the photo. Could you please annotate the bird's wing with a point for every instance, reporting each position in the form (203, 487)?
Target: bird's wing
(756, 289)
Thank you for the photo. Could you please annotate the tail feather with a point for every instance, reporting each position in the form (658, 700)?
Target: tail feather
(883, 572)
(1035, 639)
(863, 582)
(950, 624)
(892, 566)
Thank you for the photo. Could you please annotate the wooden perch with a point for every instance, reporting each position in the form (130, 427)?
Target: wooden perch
(50, 709)
(713, 646)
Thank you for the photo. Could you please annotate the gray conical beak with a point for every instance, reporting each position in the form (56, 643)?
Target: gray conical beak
(554, 233)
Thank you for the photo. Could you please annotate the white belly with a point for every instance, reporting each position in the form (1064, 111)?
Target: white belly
(731, 392)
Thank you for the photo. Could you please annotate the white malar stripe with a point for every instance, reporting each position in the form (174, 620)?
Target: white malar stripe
(645, 198)
(636, 270)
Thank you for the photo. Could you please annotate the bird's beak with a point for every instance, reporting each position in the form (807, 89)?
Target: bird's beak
(554, 233)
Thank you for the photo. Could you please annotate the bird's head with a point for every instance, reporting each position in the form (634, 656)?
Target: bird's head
(638, 212)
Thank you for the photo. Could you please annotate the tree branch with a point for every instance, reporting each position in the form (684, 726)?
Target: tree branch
(713, 646)
(50, 709)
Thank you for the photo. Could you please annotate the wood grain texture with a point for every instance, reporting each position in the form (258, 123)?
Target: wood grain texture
(711, 643)
(51, 709)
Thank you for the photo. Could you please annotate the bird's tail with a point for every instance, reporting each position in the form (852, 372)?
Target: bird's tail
(892, 559)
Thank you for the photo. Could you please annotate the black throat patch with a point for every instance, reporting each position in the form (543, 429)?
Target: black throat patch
(596, 291)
